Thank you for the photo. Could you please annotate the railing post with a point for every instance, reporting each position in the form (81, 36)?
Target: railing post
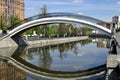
(113, 45)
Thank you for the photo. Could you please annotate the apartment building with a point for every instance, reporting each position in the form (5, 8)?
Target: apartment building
(12, 7)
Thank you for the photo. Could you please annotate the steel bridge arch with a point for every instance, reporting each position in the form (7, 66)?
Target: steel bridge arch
(56, 20)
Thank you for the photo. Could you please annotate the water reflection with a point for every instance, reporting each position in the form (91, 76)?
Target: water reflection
(10, 72)
(76, 56)
(77, 60)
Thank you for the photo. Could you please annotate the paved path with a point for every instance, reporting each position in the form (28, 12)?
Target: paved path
(112, 67)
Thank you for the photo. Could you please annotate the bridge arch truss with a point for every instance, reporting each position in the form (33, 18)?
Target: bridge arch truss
(57, 20)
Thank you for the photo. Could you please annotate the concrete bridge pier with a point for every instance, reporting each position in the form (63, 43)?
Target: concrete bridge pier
(7, 42)
(12, 42)
(19, 41)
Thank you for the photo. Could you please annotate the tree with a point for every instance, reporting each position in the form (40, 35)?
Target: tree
(62, 29)
(3, 22)
(44, 10)
(86, 30)
(70, 27)
(39, 30)
(51, 31)
(13, 20)
(7, 22)
(44, 13)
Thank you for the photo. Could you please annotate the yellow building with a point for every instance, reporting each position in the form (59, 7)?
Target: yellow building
(12, 7)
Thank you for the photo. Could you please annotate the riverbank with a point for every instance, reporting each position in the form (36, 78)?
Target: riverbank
(52, 41)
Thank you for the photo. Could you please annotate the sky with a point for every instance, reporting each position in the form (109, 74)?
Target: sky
(100, 9)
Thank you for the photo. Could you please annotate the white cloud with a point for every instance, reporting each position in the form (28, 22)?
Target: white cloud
(80, 13)
(78, 1)
(118, 3)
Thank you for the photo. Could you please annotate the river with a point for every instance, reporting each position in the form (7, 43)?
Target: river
(81, 60)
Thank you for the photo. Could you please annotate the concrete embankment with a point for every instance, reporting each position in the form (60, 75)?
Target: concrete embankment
(112, 67)
(18, 41)
(44, 42)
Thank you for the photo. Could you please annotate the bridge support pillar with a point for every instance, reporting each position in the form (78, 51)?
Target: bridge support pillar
(12, 42)
(19, 40)
(7, 42)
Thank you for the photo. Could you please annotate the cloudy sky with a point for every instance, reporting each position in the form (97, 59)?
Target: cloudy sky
(101, 9)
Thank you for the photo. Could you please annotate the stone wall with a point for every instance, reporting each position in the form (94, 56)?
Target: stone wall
(10, 42)
(50, 41)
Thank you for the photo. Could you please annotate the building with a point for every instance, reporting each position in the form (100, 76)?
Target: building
(116, 21)
(10, 72)
(12, 7)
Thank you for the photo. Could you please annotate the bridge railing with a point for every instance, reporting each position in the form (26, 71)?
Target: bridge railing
(70, 15)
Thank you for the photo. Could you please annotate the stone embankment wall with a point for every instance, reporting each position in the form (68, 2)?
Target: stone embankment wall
(50, 41)
(9, 42)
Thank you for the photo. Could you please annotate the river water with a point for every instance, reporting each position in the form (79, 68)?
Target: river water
(81, 60)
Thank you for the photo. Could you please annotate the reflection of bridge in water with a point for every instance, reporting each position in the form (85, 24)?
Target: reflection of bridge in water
(27, 67)
(13, 39)
(13, 36)
(51, 74)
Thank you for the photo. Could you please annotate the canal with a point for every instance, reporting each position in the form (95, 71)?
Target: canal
(81, 60)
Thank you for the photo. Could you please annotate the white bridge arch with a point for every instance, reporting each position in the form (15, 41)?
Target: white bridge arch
(56, 20)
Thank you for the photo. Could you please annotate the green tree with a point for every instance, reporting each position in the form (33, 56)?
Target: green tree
(70, 30)
(51, 30)
(3, 22)
(29, 32)
(62, 29)
(86, 30)
(75, 31)
(48, 31)
(13, 20)
(43, 11)
(39, 30)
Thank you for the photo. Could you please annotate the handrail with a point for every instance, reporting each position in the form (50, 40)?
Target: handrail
(40, 16)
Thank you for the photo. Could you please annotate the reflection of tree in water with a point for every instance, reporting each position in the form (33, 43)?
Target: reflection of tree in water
(45, 58)
(31, 52)
(64, 49)
(75, 49)
(82, 43)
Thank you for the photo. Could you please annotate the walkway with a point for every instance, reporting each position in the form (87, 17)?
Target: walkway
(113, 62)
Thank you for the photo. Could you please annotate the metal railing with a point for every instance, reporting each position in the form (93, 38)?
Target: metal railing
(70, 15)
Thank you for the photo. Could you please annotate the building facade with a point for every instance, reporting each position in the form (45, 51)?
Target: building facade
(12, 7)
(116, 21)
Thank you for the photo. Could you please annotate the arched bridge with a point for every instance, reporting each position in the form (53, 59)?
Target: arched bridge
(57, 18)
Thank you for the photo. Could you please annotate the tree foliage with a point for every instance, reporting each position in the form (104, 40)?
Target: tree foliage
(44, 10)
(3, 22)
(7, 22)
(13, 20)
